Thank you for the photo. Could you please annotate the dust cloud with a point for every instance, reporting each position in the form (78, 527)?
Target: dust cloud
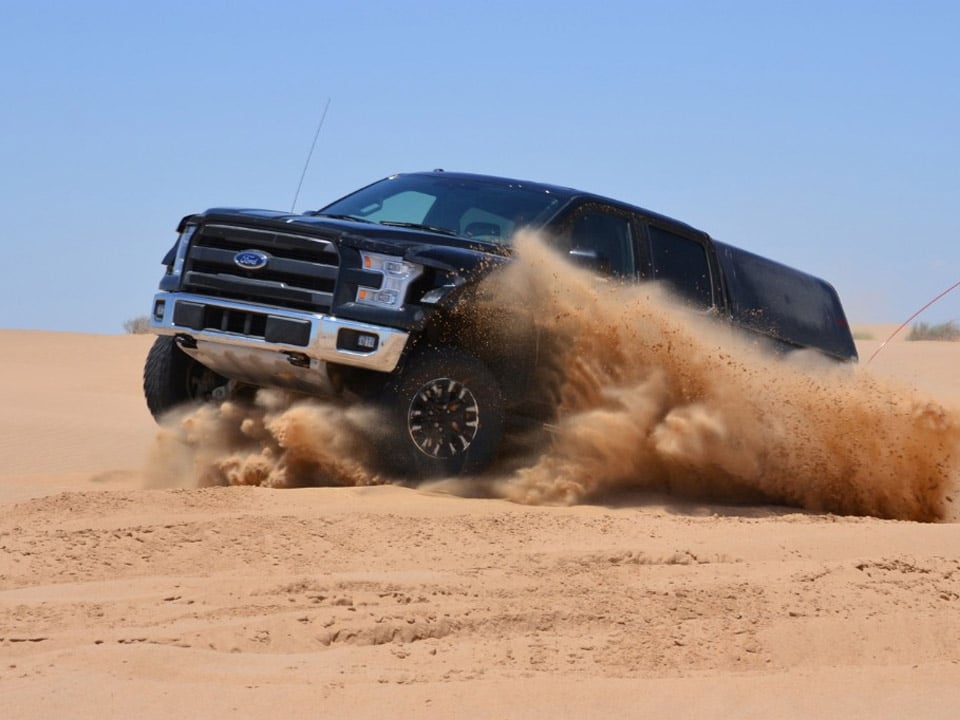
(653, 397)
(661, 398)
(277, 440)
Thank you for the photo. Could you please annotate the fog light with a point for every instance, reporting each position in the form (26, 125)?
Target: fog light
(158, 307)
(357, 341)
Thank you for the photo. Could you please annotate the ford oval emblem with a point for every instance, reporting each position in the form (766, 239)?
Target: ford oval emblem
(251, 259)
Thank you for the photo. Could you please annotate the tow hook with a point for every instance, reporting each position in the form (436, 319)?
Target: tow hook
(185, 341)
(298, 359)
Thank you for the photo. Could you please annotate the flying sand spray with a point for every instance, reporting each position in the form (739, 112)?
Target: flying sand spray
(656, 399)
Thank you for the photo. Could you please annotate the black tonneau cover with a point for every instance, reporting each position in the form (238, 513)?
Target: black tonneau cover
(786, 304)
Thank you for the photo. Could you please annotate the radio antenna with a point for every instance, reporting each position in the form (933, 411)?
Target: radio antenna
(310, 154)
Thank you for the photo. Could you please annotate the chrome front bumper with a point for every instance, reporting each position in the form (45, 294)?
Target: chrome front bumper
(272, 346)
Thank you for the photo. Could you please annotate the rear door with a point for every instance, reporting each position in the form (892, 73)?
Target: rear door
(684, 262)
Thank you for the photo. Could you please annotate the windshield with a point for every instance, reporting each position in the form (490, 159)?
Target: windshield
(484, 209)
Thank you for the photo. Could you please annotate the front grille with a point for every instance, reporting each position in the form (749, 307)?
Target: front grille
(300, 272)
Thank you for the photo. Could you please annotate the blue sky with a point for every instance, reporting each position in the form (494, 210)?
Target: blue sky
(823, 134)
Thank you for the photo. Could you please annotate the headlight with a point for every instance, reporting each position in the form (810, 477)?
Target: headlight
(397, 275)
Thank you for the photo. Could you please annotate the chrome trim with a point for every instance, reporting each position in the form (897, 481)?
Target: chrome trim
(322, 346)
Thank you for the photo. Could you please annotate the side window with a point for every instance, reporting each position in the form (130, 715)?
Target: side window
(606, 235)
(683, 264)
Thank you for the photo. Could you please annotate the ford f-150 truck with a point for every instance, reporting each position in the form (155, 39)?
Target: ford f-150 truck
(372, 295)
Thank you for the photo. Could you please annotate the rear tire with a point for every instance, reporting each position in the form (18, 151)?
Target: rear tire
(172, 378)
(448, 411)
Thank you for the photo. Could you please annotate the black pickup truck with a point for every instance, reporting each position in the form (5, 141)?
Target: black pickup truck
(371, 295)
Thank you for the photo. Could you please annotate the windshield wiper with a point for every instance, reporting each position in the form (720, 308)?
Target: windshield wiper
(420, 226)
(337, 216)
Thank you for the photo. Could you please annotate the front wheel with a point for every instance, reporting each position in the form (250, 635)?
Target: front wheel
(449, 409)
(172, 378)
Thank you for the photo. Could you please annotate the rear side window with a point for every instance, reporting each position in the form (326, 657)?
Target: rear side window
(683, 264)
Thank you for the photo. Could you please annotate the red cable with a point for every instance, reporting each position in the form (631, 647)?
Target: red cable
(910, 319)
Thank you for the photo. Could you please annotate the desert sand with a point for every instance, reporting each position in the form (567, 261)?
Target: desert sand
(119, 598)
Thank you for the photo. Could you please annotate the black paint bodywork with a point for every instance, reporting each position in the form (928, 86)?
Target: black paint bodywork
(791, 308)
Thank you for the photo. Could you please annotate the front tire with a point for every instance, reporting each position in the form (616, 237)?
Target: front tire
(172, 378)
(449, 411)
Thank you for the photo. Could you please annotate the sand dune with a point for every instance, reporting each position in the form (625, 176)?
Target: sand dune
(122, 601)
